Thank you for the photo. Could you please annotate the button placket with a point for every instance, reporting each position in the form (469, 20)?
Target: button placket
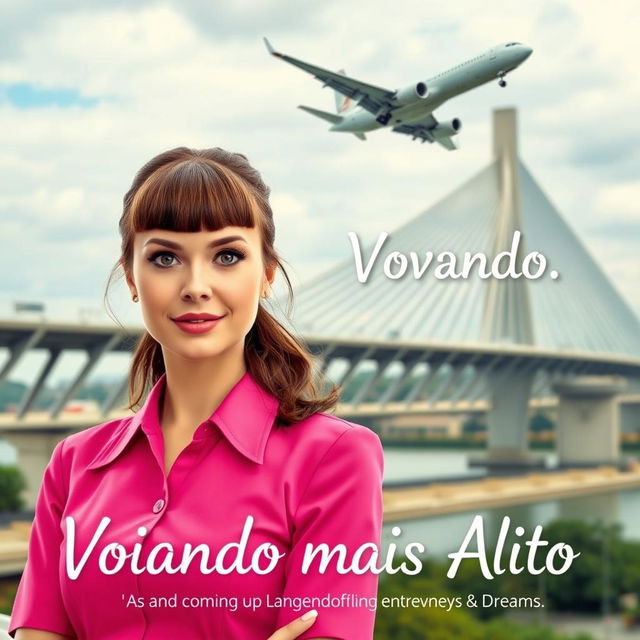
(149, 522)
(190, 458)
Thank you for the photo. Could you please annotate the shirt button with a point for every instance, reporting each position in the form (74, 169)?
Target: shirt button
(158, 506)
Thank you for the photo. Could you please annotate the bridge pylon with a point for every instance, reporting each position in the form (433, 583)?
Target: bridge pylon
(506, 316)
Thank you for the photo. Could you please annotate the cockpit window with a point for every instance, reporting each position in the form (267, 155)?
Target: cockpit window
(511, 44)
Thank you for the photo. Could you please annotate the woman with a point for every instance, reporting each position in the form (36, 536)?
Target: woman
(232, 452)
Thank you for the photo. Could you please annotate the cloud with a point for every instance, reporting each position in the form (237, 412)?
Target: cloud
(197, 74)
(621, 203)
(224, 20)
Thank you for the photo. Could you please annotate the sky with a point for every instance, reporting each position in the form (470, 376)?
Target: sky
(89, 91)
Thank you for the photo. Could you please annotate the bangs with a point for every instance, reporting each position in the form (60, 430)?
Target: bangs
(193, 196)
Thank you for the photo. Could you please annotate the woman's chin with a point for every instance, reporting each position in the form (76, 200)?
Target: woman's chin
(196, 352)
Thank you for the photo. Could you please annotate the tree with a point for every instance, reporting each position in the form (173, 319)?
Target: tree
(473, 424)
(12, 483)
(541, 422)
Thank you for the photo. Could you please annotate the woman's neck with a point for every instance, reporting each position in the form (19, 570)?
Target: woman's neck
(195, 388)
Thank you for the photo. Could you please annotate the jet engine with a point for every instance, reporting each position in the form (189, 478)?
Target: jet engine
(447, 128)
(412, 93)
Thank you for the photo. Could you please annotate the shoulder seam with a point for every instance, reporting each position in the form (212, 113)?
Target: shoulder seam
(64, 474)
(350, 424)
(313, 475)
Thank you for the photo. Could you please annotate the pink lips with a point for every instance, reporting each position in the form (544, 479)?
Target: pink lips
(197, 322)
(197, 316)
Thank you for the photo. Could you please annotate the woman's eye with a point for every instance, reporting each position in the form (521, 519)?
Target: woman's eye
(228, 258)
(163, 259)
(161, 254)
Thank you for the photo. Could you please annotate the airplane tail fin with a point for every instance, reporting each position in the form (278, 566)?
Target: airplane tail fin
(329, 117)
(325, 115)
(343, 103)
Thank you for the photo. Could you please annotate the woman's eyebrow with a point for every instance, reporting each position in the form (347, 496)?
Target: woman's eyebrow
(176, 245)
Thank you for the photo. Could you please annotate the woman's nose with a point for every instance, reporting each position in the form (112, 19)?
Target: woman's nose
(198, 284)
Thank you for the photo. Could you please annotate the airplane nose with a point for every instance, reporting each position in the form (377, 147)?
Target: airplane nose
(527, 51)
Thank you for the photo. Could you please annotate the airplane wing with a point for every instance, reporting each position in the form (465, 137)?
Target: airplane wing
(423, 130)
(447, 142)
(368, 96)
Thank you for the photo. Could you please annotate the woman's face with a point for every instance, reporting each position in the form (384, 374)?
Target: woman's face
(205, 272)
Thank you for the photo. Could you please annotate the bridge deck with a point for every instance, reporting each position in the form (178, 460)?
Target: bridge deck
(436, 499)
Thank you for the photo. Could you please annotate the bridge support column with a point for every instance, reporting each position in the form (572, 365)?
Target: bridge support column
(630, 417)
(588, 420)
(507, 443)
(33, 452)
(597, 506)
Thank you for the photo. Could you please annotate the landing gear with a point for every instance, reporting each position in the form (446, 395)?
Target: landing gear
(502, 83)
(384, 118)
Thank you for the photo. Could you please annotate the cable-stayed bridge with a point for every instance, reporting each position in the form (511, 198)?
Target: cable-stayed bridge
(425, 345)
(500, 340)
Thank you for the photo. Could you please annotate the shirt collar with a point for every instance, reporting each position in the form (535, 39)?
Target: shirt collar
(245, 417)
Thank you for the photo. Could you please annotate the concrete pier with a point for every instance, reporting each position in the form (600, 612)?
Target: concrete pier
(589, 419)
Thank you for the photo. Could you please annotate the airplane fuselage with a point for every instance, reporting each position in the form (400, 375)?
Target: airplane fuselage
(493, 63)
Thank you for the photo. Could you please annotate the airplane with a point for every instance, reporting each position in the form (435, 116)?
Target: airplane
(362, 107)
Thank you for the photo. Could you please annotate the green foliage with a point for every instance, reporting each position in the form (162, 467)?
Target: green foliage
(7, 596)
(442, 623)
(630, 562)
(581, 588)
(505, 629)
(541, 422)
(12, 483)
(607, 567)
(11, 393)
(474, 424)
(98, 391)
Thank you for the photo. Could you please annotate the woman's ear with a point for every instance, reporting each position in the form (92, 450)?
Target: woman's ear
(269, 275)
(129, 279)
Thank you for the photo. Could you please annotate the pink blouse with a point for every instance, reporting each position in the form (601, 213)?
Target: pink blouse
(319, 481)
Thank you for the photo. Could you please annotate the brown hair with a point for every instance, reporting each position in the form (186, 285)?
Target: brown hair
(194, 189)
